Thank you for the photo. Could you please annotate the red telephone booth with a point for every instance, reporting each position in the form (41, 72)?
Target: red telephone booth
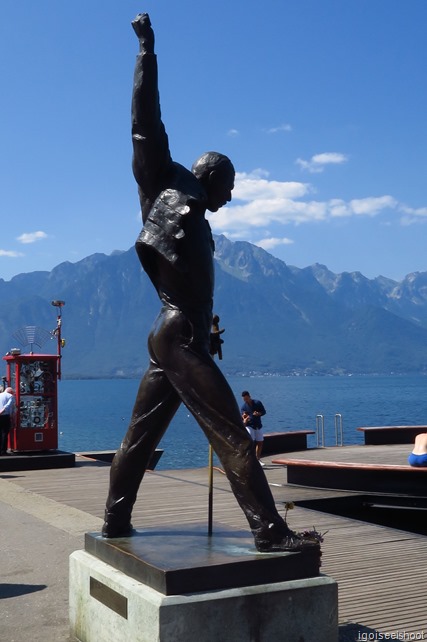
(34, 378)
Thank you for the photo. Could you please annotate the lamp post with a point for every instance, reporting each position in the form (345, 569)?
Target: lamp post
(57, 332)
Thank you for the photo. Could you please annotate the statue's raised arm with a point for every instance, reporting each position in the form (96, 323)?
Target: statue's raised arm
(151, 156)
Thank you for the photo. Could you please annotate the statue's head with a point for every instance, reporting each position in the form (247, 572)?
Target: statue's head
(216, 173)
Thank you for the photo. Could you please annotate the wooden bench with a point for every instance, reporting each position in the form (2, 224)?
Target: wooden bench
(386, 478)
(377, 435)
(285, 442)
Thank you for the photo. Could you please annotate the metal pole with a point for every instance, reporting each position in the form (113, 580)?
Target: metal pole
(320, 430)
(210, 497)
(58, 337)
(57, 333)
(338, 430)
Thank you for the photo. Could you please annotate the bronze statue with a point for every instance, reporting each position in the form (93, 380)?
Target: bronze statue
(215, 342)
(176, 249)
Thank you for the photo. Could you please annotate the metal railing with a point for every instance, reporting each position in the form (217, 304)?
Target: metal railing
(338, 429)
(320, 430)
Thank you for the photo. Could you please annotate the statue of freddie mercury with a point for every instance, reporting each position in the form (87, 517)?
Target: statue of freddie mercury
(176, 250)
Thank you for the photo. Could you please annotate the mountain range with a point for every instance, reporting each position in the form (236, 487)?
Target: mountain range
(277, 318)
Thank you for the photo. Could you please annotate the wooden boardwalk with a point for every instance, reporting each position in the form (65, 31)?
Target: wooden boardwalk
(380, 571)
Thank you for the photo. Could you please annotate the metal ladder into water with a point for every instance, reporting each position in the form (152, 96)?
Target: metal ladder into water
(320, 430)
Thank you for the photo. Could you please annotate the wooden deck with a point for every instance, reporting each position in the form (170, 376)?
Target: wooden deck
(380, 571)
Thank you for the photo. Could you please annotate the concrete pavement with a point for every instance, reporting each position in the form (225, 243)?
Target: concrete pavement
(37, 536)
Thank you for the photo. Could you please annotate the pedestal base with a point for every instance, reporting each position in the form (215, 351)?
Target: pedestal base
(178, 584)
(108, 606)
(180, 559)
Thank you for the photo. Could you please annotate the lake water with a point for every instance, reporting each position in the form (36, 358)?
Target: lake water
(94, 414)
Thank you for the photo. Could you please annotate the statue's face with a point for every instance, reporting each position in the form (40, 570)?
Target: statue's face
(219, 188)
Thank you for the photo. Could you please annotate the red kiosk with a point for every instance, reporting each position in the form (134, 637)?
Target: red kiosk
(34, 378)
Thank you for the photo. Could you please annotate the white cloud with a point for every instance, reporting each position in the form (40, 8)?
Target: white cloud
(317, 163)
(256, 186)
(281, 128)
(413, 215)
(262, 203)
(10, 254)
(261, 212)
(31, 237)
(372, 206)
(233, 132)
(327, 158)
(259, 172)
(270, 243)
(339, 208)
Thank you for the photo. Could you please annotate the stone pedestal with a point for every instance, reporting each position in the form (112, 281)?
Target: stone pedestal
(181, 585)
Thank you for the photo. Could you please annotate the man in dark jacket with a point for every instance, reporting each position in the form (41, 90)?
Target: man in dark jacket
(252, 410)
(176, 249)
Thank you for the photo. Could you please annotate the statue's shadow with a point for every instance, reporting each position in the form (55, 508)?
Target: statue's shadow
(15, 590)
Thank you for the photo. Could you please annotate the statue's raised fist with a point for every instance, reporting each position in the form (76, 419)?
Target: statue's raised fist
(143, 29)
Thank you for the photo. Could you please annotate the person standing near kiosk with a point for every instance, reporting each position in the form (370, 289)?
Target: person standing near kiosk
(7, 405)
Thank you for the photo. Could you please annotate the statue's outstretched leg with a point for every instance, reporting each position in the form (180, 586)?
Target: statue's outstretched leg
(155, 405)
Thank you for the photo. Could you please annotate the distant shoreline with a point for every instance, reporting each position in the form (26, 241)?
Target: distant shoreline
(245, 375)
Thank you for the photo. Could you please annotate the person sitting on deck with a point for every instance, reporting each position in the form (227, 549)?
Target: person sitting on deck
(418, 456)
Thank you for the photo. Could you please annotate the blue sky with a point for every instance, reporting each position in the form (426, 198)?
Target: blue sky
(321, 105)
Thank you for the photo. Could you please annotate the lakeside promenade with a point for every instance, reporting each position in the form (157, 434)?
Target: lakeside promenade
(45, 513)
